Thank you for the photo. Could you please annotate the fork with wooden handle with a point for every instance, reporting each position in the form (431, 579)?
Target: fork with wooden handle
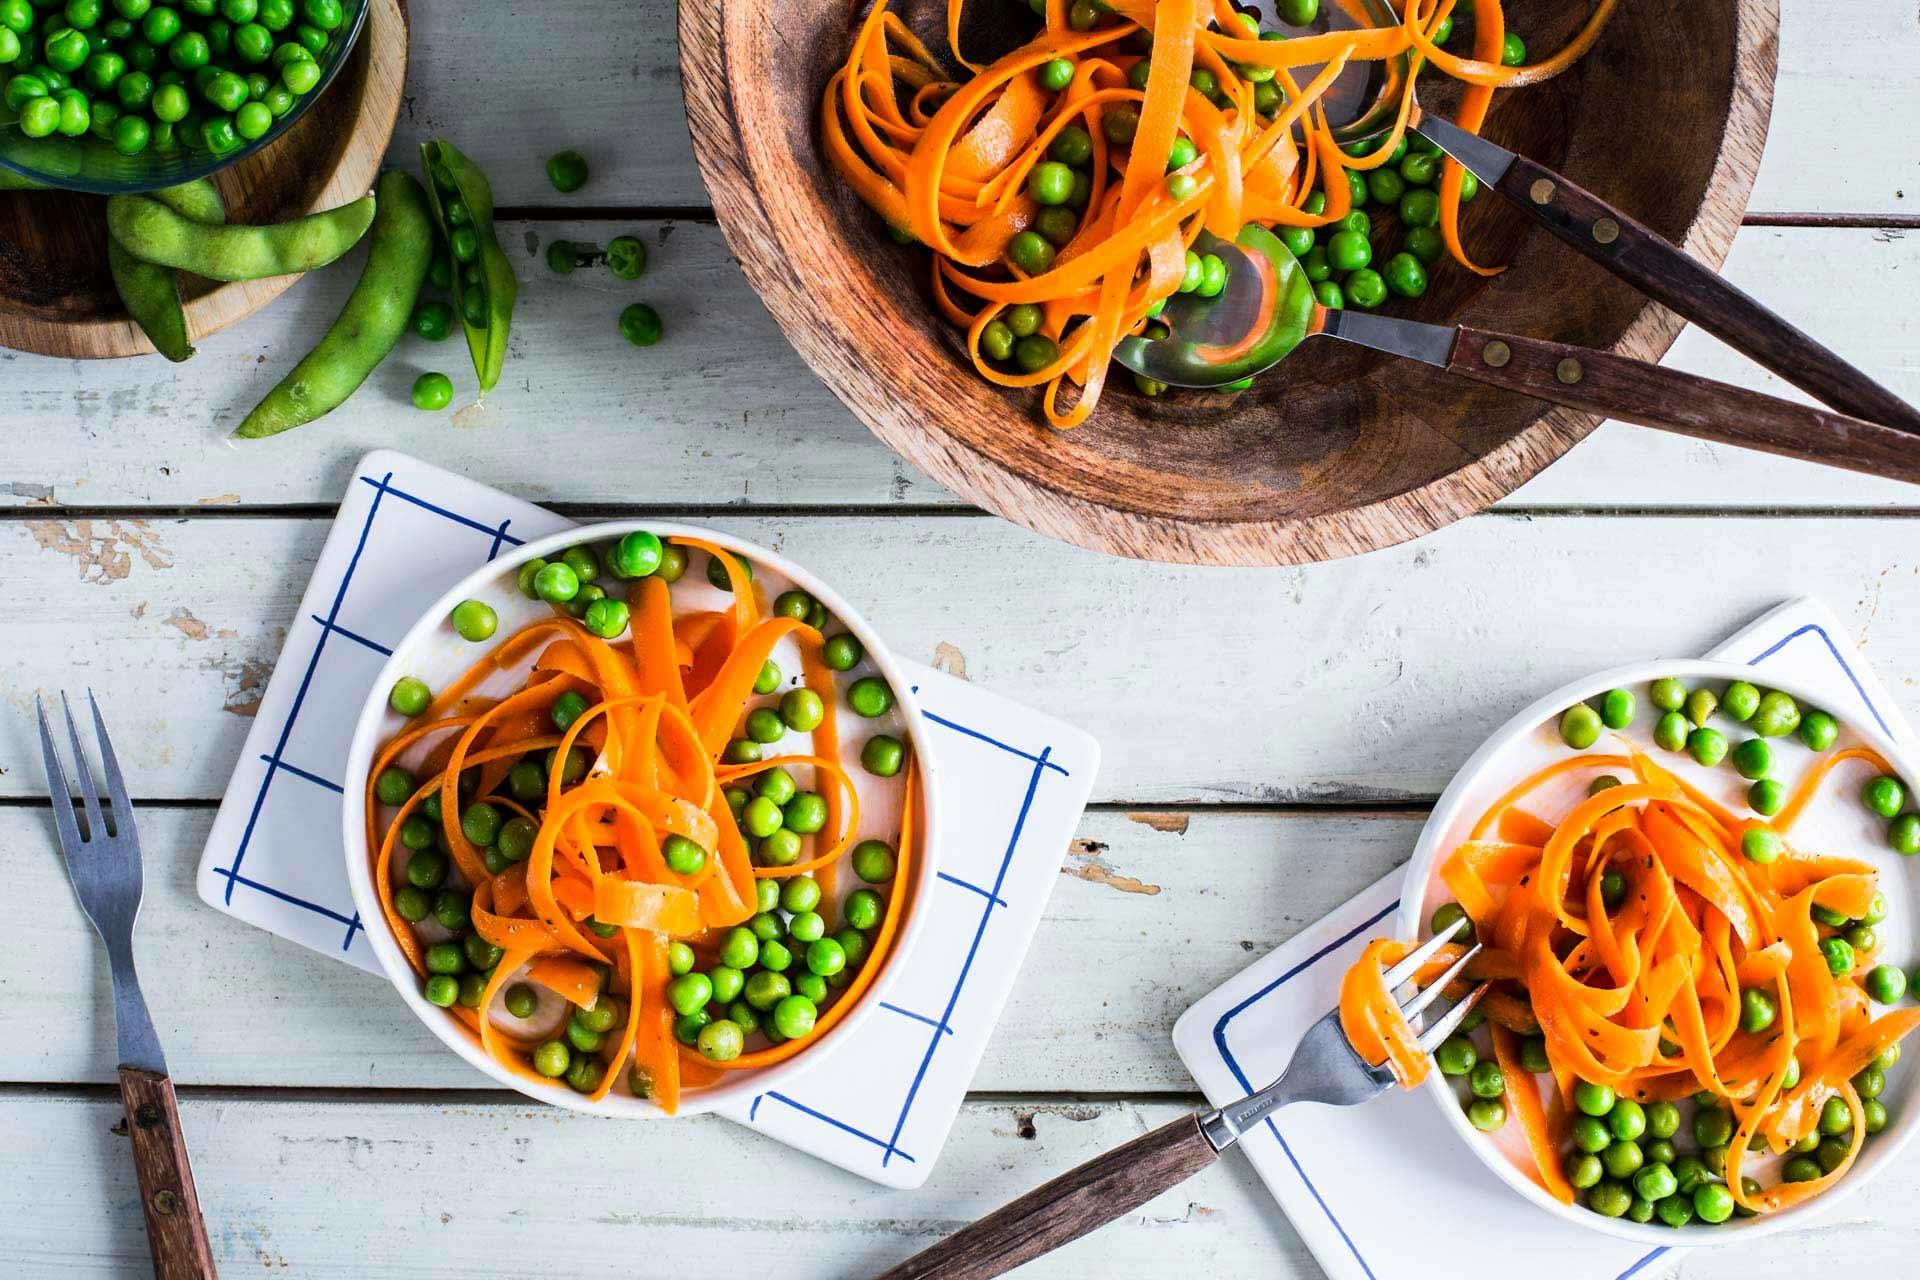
(1324, 1068)
(104, 863)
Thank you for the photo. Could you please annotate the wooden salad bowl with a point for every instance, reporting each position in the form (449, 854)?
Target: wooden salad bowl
(1337, 452)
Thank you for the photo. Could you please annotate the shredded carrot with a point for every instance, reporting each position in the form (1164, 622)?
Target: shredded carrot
(1627, 936)
(946, 162)
(592, 909)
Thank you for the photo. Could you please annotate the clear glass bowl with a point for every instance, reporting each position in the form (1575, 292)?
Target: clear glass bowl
(88, 163)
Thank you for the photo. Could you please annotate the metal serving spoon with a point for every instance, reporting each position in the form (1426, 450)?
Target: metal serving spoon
(1267, 309)
(1363, 103)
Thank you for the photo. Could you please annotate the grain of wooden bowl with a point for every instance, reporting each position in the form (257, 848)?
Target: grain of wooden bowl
(1338, 452)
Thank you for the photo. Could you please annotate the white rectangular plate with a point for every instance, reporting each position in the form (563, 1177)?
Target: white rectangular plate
(1014, 780)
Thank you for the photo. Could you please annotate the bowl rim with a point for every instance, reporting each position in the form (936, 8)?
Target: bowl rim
(1408, 923)
(751, 201)
(356, 24)
(737, 1086)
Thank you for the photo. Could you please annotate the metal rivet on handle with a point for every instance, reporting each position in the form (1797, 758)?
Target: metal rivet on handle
(1496, 353)
(1569, 371)
(1541, 190)
(1606, 231)
(165, 1203)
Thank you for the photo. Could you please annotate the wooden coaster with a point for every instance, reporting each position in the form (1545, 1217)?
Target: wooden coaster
(56, 298)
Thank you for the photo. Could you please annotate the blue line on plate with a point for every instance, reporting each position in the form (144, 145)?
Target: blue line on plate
(357, 638)
(298, 772)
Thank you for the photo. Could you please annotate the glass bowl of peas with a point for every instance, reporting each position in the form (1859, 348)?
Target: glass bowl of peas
(121, 96)
(1747, 742)
(830, 942)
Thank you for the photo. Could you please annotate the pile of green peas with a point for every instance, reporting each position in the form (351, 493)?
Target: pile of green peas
(1631, 1160)
(206, 74)
(1769, 714)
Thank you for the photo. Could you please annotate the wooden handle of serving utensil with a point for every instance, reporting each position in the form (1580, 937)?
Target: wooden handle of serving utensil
(1635, 391)
(175, 1233)
(1067, 1208)
(1640, 256)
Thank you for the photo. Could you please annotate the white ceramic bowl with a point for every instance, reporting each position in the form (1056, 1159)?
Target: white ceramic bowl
(431, 651)
(1842, 825)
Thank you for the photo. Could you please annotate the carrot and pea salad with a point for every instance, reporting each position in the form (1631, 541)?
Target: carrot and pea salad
(1061, 187)
(1706, 1000)
(623, 870)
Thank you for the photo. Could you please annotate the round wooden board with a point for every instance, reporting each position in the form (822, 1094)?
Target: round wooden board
(1341, 451)
(56, 298)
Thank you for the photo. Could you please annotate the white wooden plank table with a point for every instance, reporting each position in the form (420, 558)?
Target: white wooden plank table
(1272, 737)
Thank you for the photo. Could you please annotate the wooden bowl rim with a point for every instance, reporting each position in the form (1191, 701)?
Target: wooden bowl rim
(384, 39)
(745, 222)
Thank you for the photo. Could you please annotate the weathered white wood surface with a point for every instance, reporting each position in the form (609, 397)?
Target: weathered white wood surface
(1151, 913)
(1361, 680)
(1350, 683)
(724, 412)
(1835, 148)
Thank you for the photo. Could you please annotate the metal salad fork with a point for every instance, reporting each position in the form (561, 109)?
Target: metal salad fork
(1324, 1068)
(103, 860)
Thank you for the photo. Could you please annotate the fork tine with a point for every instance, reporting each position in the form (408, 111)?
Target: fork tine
(1409, 966)
(1450, 1022)
(1432, 990)
(116, 785)
(96, 823)
(63, 823)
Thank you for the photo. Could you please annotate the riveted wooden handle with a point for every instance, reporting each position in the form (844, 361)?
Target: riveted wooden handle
(1635, 391)
(1657, 268)
(175, 1233)
(1068, 1207)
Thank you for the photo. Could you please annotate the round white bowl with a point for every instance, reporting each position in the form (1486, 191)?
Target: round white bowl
(1531, 737)
(432, 650)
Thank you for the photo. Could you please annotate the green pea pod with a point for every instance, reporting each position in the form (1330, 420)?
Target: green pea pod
(150, 293)
(448, 172)
(156, 233)
(372, 321)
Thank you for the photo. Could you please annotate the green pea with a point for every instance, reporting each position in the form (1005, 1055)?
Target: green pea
(1584, 1170)
(1213, 276)
(683, 856)
(1886, 984)
(1485, 1080)
(1590, 1134)
(1365, 289)
(805, 814)
(1862, 939)
(451, 909)
(802, 710)
(1800, 1169)
(1819, 731)
(673, 562)
(426, 869)
(1871, 1081)
(1385, 186)
(1071, 146)
(1667, 693)
(1757, 1010)
(640, 324)
(1579, 726)
(1777, 715)
(1884, 796)
(1838, 953)
(1404, 275)
(761, 817)
(441, 989)
(687, 1027)
(780, 848)
(1513, 51)
(1655, 1182)
(1761, 844)
(1318, 269)
(739, 948)
(1707, 746)
(1887, 1059)
(1903, 834)
(727, 982)
(764, 990)
(1712, 1202)
(827, 956)
(1592, 1099)
(794, 1016)
(606, 618)
(853, 946)
(445, 957)
(409, 696)
(1349, 251)
(567, 171)
(1663, 1121)
(775, 956)
(1050, 183)
(873, 861)
(775, 785)
(1533, 1055)
(1627, 1121)
(1456, 1056)
(1767, 797)
(769, 678)
(870, 696)
(721, 1041)
(1445, 916)
(1701, 704)
(1605, 782)
(1622, 1159)
(882, 756)
(1828, 916)
(1486, 1114)
(411, 903)
(1330, 295)
(556, 583)
(1034, 352)
(764, 725)
(1873, 1115)
(690, 992)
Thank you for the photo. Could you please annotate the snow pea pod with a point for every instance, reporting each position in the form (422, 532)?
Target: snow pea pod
(463, 208)
(156, 233)
(375, 316)
(150, 293)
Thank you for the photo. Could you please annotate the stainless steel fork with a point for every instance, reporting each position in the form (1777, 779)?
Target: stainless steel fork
(104, 862)
(1324, 1068)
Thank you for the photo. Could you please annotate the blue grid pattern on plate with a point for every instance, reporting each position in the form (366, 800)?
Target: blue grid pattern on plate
(1220, 1027)
(383, 488)
(329, 626)
(990, 896)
